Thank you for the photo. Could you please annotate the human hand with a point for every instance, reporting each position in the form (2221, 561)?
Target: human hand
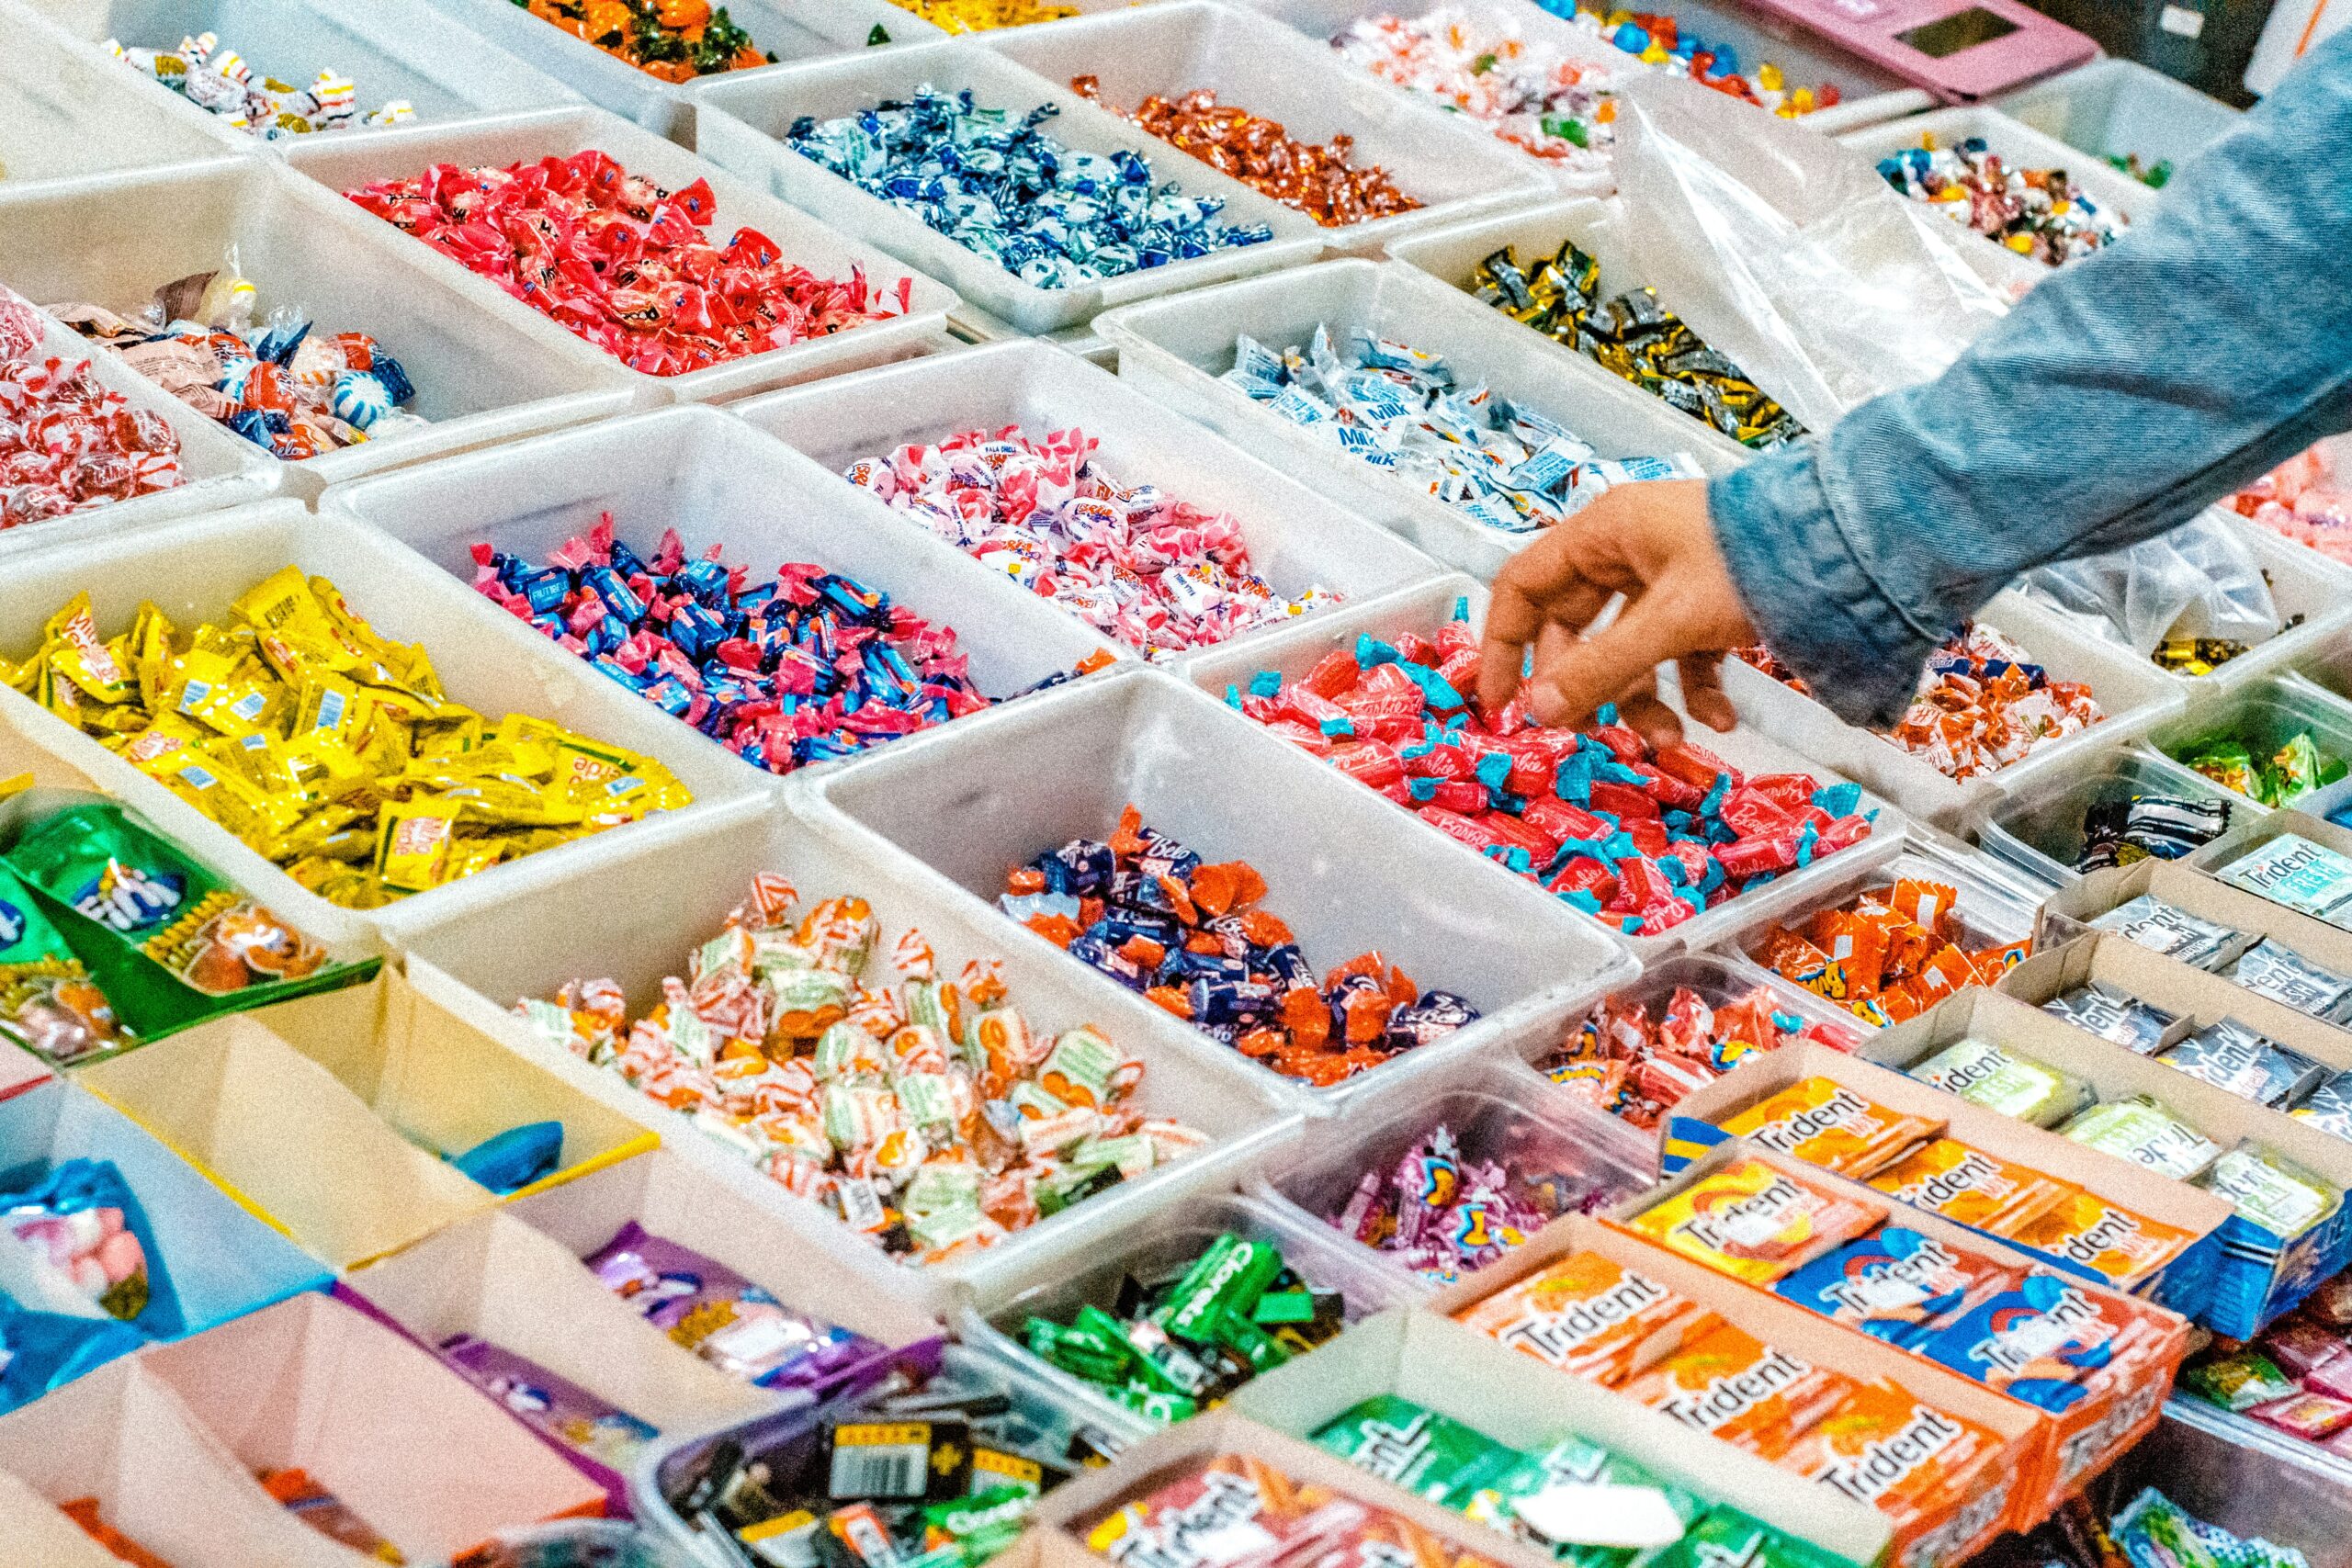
(1654, 544)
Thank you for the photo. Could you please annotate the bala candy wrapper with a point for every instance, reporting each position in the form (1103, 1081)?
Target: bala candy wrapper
(674, 41)
(1888, 953)
(1534, 96)
(550, 1405)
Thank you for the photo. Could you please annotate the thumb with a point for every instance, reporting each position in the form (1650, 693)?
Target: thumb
(1577, 676)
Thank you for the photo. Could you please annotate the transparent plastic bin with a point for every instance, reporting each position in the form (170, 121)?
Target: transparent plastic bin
(2262, 715)
(2131, 692)
(65, 115)
(1295, 650)
(651, 902)
(1055, 1285)
(703, 473)
(2113, 107)
(740, 125)
(1175, 349)
(793, 31)
(194, 569)
(344, 163)
(217, 470)
(481, 375)
(957, 808)
(1717, 978)
(2327, 669)
(1297, 538)
(1257, 64)
(1499, 1111)
(2038, 830)
(400, 51)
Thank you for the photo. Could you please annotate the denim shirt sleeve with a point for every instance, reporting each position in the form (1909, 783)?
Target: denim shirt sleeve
(2120, 397)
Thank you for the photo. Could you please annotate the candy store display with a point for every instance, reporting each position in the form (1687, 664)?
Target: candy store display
(671, 40)
(983, 16)
(1657, 38)
(2271, 776)
(1620, 1059)
(1889, 952)
(1635, 336)
(619, 262)
(1320, 179)
(1533, 94)
(1500, 464)
(1138, 564)
(1190, 936)
(67, 443)
(225, 84)
(291, 389)
(2038, 213)
(993, 181)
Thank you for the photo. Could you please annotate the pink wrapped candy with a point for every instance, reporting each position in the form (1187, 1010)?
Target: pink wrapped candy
(66, 443)
(1442, 1214)
(2304, 501)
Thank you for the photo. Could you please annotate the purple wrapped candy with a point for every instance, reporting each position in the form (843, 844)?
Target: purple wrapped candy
(548, 1405)
(1443, 1214)
(721, 1316)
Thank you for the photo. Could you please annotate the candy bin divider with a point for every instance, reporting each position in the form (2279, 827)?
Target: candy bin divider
(1055, 1284)
(346, 161)
(1256, 64)
(694, 468)
(1155, 734)
(795, 29)
(2263, 715)
(123, 1434)
(482, 377)
(198, 566)
(1469, 1377)
(1174, 350)
(2191, 884)
(33, 1534)
(1294, 650)
(443, 68)
(2121, 106)
(2003, 826)
(740, 126)
(217, 469)
(660, 898)
(69, 115)
(1296, 537)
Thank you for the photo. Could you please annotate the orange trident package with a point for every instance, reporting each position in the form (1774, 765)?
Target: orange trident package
(1822, 1123)
(2123, 1247)
(1969, 1187)
(1755, 1222)
(1592, 1316)
(1938, 1477)
(1733, 1386)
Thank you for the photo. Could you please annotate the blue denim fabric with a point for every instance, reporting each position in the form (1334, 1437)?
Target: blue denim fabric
(2123, 395)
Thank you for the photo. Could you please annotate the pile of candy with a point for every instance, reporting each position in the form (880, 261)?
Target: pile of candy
(1623, 1060)
(1534, 96)
(82, 1279)
(981, 15)
(1053, 215)
(2303, 500)
(222, 83)
(1188, 936)
(1634, 337)
(921, 1111)
(1499, 463)
(2290, 773)
(1657, 38)
(2197, 656)
(2296, 1376)
(328, 749)
(1232, 1508)
(1321, 180)
(1138, 565)
(1640, 837)
(1174, 1346)
(2035, 212)
(675, 41)
(67, 443)
(806, 668)
(616, 260)
(290, 390)
(2124, 829)
(1887, 953)
(1444, 1211)
(1982, 703)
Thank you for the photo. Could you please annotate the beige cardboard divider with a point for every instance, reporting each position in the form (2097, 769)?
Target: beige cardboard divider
(123, 1436)
(2189, 884)
(1790, 1328)
(680, 1201)
(495, 1278)
(1472, 1378)
(33, 1534)
(1182, 1449)
(431, 1463)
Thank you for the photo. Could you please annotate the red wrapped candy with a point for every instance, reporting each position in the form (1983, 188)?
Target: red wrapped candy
(66, 443)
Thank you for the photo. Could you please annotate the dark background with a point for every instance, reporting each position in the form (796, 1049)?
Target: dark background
(2212, 62)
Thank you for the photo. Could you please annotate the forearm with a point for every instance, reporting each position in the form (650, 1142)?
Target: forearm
(2121, 396)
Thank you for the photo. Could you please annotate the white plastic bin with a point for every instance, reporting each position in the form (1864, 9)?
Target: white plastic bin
(740, 126)
(1175, 350)
(2039, 829)
(1055, 1284)
(65, 115)
(958, 808)
(2114, 108)
(2131, 691)
(716, 483)
(346, 163)
(1258, 65)
(1297, 538)
(2262, 716)
(195, 568)
(1421, 611)
(217, 470)
(792, 31)
(637, 914)
(481, 375)
(388, 51)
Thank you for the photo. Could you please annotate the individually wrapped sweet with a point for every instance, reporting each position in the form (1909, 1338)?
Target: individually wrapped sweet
(1587, 1314)
(1658, 38)
(550, 1405)
(2145, 1132)
(2088, 1232)
(2273, 778)
(1622, 1060)
(1736, 1388)
(83, 1511)
(1896, 1284)
(710, 1309)
(2038, 213)
(1444, 1211)
(2042, 1338)
(310, 1500)
(1825, 1122)
(2303, 499)
(75, 1242)
(67, 443)
(50, 1004)
(2125, 830)
(1972, 1187)
(509, 1161)
(40, 1352)
(671, 40)
(1538, 98)
(2102, 1009)
(1888, 953)
(1911, 1460)
(225, 84)
(980, 15)
(2150, 922)
(2237, 1381)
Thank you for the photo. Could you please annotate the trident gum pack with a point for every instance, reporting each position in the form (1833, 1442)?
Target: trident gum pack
(1753, 1222)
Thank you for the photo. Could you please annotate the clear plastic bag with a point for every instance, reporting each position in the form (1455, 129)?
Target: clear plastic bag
(2199, 580)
